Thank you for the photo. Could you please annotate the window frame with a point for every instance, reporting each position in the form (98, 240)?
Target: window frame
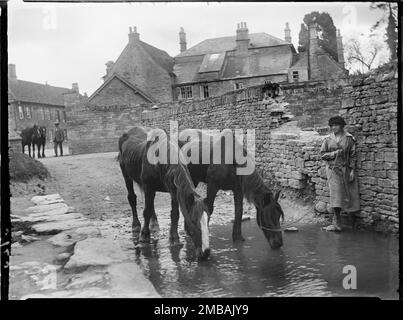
(204, 88)
(28, 112)
(238, 85)
(186, 92)
(295, 76)
(20, 112)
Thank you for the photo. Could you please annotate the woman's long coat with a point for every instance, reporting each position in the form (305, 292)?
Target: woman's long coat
(343, 193)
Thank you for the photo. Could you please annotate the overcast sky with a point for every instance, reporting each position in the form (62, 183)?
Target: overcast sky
(62, 43)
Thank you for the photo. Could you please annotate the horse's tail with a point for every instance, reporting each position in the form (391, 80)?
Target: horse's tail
(122, 139)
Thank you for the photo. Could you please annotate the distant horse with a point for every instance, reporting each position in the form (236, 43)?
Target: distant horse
(26, 135)
(171, 178)
(224, 176)
(39, 140)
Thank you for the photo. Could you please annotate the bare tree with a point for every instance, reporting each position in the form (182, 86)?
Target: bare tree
(357, 55)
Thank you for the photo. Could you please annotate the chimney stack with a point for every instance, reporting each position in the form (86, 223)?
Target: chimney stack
(11, 72)
(109, 66)
(74, 87)
(314, 71)
(287, 33)
(340, 50)
(133, 35)
(242, 39)
(182, 40)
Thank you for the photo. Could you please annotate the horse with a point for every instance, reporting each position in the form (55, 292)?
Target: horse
(223, 176)
(26, 135)
(39, 140)
(173, 178)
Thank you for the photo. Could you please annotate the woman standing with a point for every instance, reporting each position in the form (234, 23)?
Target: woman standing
(338, 150)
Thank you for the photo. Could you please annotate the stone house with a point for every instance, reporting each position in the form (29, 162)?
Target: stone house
(219, 65)
(141, 74)
(31, 102)
(145, 74)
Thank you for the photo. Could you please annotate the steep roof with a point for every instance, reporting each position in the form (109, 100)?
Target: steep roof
(127, 83)
(159, 56)
(27, 91)
(128, 55)
(301, 60)
(222, 44)
(258, 62)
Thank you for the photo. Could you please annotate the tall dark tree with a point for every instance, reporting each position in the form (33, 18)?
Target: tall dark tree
(326, 32)
(390, 18)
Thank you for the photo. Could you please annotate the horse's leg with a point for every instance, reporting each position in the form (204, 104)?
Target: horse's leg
(39, 150)
(236, 229)
(149, 196)
(209, 201)
(33, 150)
(23, 147)
(174, 237)
(132, 198)
(29, 150)
(43, 150)
(154, 226)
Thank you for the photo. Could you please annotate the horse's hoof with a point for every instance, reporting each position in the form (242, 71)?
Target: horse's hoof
(238, 238)
(154, 228)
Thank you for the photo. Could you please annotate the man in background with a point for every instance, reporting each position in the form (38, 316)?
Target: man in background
(58, 138)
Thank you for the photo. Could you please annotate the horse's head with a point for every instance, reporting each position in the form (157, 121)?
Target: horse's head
(196, 218)
(269, 213)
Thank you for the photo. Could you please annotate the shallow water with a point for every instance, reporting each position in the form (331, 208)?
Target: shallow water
(309, 264)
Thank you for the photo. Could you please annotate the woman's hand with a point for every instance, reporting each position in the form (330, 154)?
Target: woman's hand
(328, 156)
(351, 176)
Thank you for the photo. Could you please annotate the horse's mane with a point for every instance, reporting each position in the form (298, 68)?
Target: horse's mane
(253, 184)
(135, 152)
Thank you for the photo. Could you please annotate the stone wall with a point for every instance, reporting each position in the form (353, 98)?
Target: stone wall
(369, 106)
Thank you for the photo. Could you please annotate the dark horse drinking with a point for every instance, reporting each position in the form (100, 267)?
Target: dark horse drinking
(224, 176)
(171, 178)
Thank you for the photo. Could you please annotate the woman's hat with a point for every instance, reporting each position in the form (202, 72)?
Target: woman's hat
(337, 120)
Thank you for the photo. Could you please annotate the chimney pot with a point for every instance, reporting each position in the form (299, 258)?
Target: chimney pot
(12, 74)
(74, 87)
(133, 35)
(182, 40)
(287, 33)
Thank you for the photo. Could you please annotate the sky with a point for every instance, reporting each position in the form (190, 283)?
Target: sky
(63, 43)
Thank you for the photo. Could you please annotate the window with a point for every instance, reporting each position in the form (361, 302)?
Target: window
(64, 116)
(20, 112)
(238, 85)
(42, 113)
(28, 112)
(65, 134)
(58, 115)
(48, 113)
(204, 93)
(186, 92)
(295, 76)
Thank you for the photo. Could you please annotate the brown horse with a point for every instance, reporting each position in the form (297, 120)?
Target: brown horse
(223, 175)
(134, 147)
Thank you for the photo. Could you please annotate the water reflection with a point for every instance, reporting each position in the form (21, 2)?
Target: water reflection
(309, 264)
